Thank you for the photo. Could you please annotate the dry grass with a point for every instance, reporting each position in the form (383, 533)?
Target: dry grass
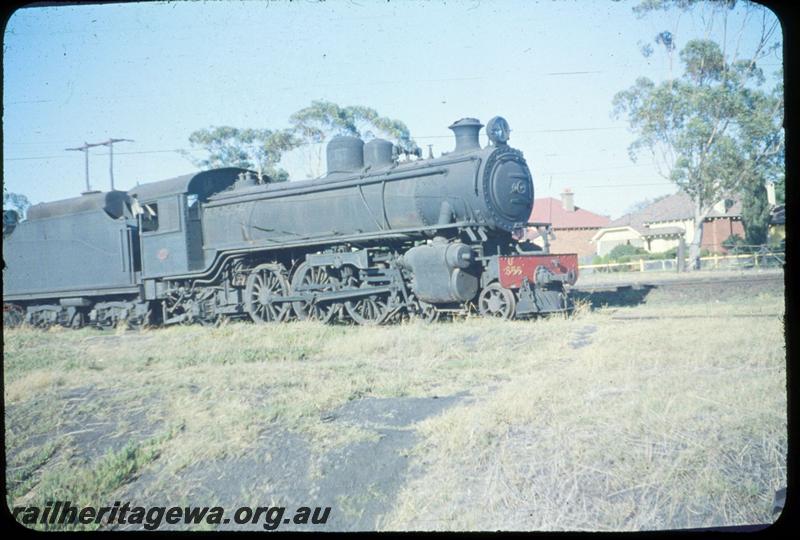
(658, 424)
(654, 424)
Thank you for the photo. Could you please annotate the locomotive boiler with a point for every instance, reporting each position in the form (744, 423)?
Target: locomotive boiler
(373, 239)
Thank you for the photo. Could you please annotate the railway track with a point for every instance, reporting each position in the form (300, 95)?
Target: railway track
(677, 292)
(777, 277)
(726, 316)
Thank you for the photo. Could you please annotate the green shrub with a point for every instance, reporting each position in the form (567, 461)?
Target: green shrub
(736, 245)
(626, 253)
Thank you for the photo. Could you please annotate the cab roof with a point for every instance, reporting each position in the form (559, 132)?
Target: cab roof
(203, 184)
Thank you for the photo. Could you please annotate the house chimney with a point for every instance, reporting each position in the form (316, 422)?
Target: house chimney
(771, 194)
(568, 200)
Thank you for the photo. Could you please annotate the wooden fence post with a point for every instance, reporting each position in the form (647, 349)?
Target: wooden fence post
(681, 255)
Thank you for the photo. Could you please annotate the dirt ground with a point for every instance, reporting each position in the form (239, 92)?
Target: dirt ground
(360, 480)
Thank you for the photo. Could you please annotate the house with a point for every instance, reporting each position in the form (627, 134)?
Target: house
(573, 227)
(777, 222)
(660, 226)
(777, 215)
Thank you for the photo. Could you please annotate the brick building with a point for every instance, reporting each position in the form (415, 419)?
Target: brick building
(660, 226)
(573, 226)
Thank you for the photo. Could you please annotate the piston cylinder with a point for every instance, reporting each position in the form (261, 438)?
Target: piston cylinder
(440, 272)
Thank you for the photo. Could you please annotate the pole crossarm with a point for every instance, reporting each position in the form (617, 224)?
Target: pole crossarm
(85, 149)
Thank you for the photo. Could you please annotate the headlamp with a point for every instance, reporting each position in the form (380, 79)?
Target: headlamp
(498, 131)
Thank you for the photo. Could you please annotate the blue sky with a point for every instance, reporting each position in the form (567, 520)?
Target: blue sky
(154, 72)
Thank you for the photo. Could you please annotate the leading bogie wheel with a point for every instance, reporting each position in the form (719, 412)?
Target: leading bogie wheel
(497, 301)
(422, 311)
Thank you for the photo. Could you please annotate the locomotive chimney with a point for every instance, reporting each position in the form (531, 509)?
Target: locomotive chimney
(466, 131)
(568, 200)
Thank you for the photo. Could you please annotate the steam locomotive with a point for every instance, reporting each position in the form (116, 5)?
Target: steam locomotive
(374, 239)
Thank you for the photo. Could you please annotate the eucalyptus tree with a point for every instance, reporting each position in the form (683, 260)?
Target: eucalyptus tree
(311, 127)
(15, 201)
(258, 149)
(714, 130)
(321, 120)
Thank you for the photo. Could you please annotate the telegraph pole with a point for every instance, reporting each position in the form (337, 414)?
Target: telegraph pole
(85, 150)
(110, 144)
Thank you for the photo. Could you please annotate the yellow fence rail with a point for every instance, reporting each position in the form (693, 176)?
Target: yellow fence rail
(757, 260)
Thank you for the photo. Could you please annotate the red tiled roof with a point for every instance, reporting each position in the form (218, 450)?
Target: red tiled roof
(550, 210)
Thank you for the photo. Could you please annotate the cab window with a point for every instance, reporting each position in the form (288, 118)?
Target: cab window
(193, 202)
(162, 216)
(150, 217)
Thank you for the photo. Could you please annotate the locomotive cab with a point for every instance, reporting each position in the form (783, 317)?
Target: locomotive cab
(169, 215)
